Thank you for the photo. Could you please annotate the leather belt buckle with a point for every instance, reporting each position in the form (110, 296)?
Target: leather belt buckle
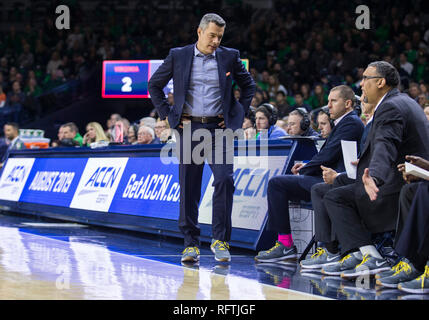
(204, 120)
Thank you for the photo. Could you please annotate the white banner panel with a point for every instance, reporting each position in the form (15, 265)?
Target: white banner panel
(98, 183)
(251, 183)
(14, 177)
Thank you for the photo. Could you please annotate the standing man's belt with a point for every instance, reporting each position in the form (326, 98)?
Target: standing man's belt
(206, 119)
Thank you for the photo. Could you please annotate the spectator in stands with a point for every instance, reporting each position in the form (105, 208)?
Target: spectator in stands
(148, 121)
(304, 68)
(282, 104)
(414, 90)
(422, 99)
(319, 98)
(19, 78)
(54, 63)
(275, 86)
(11, 134)
(71, 132)
(60, 133)
(2, 97)
(125, 126)
(424, 89)
(26, 59)
(370, 204)
(421, 70)
(313, 119)
(320, 59)
(296, 186)
(305, 93)
(75, 38)
(132, 133)
(15, 101)
(106, 51)
(94, 133)
(299, 123)
(3, 83)
(12, 75)
(32, 89)
(257, 99)
(162, 130)
(4, 65)
(299, 102)
(111, 122)
(405, 64)
(54, 79)
(16, 96)
(146, 135)
(264, 81)
(265, 121)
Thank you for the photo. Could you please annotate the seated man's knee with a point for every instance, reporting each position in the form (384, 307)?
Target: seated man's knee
(332, 196)
(275, 182)
(320, 189)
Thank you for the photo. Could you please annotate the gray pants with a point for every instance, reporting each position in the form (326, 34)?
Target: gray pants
(322, 222)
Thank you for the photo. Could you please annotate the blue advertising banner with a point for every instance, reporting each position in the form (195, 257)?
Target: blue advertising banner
(151, 188)
(53, 181)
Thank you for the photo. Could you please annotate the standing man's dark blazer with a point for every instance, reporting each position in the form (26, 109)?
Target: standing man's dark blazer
(178, 66)
(330, 155)
(399, 128)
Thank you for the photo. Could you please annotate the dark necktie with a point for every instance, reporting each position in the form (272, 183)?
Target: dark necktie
(364, 136)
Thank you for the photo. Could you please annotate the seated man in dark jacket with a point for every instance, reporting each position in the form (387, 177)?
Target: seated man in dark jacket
(297, 186)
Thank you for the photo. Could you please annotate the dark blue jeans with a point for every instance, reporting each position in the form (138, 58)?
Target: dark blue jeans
(281, 190)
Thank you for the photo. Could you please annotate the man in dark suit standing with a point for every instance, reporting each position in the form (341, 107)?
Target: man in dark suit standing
(297, 186)
(370, 205)
(203, 99)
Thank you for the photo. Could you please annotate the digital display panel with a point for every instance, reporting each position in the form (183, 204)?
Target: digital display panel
(130, 78)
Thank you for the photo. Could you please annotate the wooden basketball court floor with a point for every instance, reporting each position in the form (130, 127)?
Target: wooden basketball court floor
(56, 260)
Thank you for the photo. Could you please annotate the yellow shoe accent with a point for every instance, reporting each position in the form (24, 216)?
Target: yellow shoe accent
(402, 266)
(223, 245)
(424, 276)
(319, 252)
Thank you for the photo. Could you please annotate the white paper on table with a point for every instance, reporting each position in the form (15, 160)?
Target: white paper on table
(349, 154)
(416, 171)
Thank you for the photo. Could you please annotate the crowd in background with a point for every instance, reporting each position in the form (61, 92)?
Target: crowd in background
(148, 130)
(297, 52)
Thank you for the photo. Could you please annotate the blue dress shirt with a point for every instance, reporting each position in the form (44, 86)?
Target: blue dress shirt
(204, 94)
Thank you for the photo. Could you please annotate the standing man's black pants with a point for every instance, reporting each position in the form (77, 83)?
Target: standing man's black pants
(190, 179)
